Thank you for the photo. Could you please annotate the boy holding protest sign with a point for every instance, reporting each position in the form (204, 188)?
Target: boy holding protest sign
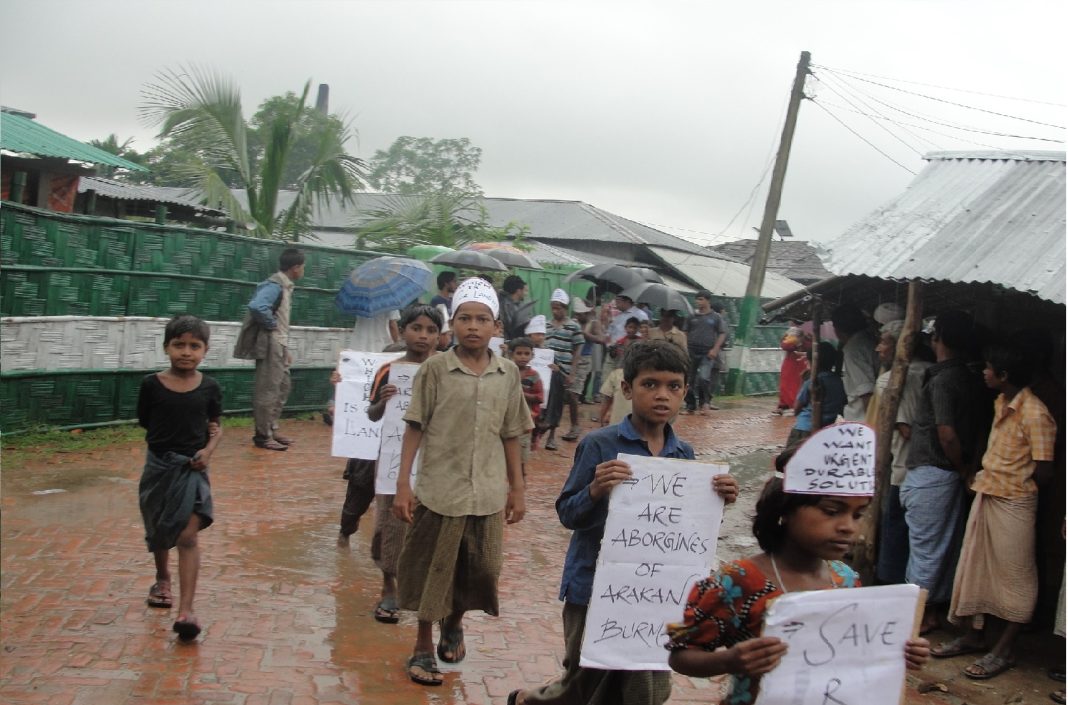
(466, 413)
(419, 327)
(804, 537)
(654, 379)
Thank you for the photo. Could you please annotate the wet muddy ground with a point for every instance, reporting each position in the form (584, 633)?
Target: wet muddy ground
(287, 614)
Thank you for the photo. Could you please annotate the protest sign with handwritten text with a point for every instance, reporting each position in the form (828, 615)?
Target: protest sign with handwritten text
(845, 646)
(543, 357)
(838, 459)
(355, 435)
(659, 539)
(401, 375)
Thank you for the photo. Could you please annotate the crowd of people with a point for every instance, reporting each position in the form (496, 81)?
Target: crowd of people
(475, 413)
(974, 443)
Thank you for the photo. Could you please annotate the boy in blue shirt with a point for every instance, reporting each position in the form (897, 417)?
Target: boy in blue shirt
(654, 379)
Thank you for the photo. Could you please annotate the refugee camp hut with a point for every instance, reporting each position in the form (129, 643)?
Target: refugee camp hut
(979, 231)
(118, 199)
(41, 167)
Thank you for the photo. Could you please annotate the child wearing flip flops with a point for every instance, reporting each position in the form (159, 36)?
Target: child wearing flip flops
(179, 409)
(466, 414)
(419, 328)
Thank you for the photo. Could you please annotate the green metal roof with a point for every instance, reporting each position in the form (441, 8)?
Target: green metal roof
(26, 136)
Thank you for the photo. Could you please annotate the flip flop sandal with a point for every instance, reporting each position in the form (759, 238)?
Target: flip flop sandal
(513, 697)
(991, 666)
(1057, 696)
(451, 648)
(187, 631)
(425, 662)
(160, 596)
(956, 647)
(386, 611)
(272, 445)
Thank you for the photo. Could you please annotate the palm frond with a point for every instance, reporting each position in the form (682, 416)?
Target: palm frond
(192, 100)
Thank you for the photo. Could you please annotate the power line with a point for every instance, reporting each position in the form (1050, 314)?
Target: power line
(954, 103)
(918, 127)
(878, 124)
(946, 88)
(861, 96)
(862, 138)
(962, 127)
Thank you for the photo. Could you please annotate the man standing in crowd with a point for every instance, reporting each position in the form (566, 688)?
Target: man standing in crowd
(860, 362)
(447, 283)
(264, 337)
(589, 358)
(666, 330)
(945, 432)
(512, 293)
(627, 310)
(706, 332)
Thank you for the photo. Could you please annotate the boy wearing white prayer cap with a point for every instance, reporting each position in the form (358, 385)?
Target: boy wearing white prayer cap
(564, 337)
(466, 414)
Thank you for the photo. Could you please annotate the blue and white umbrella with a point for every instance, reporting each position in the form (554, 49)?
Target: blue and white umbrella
(383, 284)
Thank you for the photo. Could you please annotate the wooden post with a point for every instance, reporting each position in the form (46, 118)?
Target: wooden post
(866, 555)
(815, 389)
(18, 186)
(161, 214)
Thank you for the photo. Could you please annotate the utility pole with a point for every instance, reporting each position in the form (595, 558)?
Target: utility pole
(750, 310)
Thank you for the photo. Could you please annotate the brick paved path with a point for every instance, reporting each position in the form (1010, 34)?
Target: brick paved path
(287, 615)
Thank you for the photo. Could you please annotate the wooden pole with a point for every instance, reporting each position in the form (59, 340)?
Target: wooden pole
(814, 386)
(750, 309)
(866, 555)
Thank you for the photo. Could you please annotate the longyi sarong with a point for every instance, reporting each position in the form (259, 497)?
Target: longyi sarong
(169, 492)
(996, 573)
(450, 564)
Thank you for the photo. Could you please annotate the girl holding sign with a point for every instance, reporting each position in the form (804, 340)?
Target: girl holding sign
(803, 537)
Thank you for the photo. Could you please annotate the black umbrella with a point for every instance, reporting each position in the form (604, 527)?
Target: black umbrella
(470, 259)
(512, 258)
(612, 277)
(659, 295)
(648, 275)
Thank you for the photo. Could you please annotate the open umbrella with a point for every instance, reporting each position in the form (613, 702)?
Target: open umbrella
(648, 275)
(470, 259)
(382, 284)
(425, 252)
(612, 277)
(659, 295)
(513, 257)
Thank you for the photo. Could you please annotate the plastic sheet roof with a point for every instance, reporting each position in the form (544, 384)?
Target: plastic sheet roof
(968, 217)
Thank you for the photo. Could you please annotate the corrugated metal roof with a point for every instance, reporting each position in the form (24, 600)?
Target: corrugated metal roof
(994, 217)
(548, 220)
(25, 136)
(794, 259)
(723, 277)
(189, 197)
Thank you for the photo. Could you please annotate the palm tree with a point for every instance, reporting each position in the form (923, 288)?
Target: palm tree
(449, 219)
(199, 103)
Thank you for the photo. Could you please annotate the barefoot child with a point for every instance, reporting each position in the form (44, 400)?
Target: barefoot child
(419, 327)
(466, 413)
(803, 538)
(180, 409)
(654, 374)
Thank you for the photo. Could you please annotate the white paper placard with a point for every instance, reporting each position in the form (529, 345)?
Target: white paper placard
(543, 357)
(838, 459)
(496, 345)
(659, 539)
(401, 375)
(845, 646)
(355, 435)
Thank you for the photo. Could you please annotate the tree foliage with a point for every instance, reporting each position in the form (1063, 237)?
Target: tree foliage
(209, 145)
(452, 220)
(424, 166)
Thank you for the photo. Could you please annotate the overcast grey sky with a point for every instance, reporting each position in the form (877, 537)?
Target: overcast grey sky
(664, 112)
